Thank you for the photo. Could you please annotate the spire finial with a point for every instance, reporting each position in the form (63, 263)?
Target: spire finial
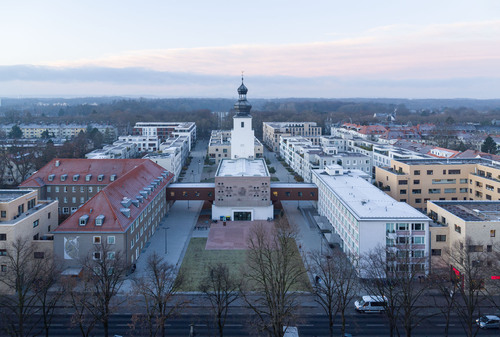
(242, 76)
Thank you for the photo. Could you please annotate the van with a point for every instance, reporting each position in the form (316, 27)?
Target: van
(488, 322)
(371, 304)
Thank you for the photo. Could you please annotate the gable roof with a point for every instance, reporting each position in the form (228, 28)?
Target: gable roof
(108, 201)
(81, 167)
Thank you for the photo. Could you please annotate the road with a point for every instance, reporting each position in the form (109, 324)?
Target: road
(240, 325)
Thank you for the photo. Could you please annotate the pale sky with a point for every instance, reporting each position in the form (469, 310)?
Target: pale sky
(330, 48)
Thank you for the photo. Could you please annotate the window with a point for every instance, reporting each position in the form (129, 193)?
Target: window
(3, 252)
(97, 240)
(402, 226)
(418, 201)
(3, 268)
(97, 255)
(111, 240)
(436, 252)
(39, 255)
(402, 191)
(418, 240)
(492, 233)
(90, 189)
(416, 172)
(3, 214)
(3, 237)
(65, 210)
(403, 182)
(35, 223)
(402, 240)
(242, 124)
(417, 226)
(57, 189)
(430, 172)
(440, 238)
(450, 190)
(476, 248)
(417, 253)
(463, 181)
(489, 248)
(111, 255)
(416, 182)
(453, 171)
(458, 229)
(434, 190)
(416, 191)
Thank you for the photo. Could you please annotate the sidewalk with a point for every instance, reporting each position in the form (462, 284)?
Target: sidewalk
(281, 173)
(177, 228)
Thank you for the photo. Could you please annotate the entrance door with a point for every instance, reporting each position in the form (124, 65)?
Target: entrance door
(242, 216)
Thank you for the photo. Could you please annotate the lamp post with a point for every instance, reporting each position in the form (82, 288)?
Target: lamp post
(165, 229)
(199, 163)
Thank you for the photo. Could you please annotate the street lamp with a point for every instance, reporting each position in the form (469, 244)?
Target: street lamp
(199, 163)
(165, 229)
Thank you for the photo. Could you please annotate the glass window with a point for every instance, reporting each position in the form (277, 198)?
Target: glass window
(111, 240)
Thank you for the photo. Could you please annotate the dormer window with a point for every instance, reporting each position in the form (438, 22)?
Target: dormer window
(76, 177)
(63, 177)
(113, 177)
(99, 220)
(51, 177)
(100, 177)
(83, 220)
(88, 177)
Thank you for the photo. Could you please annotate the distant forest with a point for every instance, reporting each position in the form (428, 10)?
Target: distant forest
(124, 113)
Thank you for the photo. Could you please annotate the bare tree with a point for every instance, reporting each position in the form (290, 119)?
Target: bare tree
(48, 291)
(103, 274)
(18, 283)
(157, 288)
(397, 272)
(221, 289)
(447, 293)
(335, 284)
(77, 297)
(470, 269)
(274, 272)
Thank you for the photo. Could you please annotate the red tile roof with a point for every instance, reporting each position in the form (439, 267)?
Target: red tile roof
(59, 167)
(108, 201)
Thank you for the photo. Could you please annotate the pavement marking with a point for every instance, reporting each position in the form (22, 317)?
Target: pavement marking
(375, 325)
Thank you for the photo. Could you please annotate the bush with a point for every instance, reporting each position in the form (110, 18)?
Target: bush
(271, 169)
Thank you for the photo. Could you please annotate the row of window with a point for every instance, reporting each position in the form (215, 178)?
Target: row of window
(57, 189)
(431, 172)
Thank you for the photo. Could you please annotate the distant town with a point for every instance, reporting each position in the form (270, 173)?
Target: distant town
(204, 217)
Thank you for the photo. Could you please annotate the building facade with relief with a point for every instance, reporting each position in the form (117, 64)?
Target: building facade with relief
(123, 215)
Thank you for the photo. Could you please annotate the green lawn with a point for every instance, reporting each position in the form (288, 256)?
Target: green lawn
(197, 260)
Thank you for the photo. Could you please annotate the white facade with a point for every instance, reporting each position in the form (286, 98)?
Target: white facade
(366, 218)
(257, 213)
(144, 143)
(242, 138)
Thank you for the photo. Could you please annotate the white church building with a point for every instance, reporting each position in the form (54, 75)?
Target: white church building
(242, 183)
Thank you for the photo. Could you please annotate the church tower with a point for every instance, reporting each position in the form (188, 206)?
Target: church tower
(242, 134)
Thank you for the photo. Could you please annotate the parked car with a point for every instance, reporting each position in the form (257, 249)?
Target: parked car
(488, 322)
(371, 304)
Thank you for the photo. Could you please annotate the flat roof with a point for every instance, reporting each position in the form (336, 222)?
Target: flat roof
(366, 201)
(9, 195)
(472, 210)
(242, 167)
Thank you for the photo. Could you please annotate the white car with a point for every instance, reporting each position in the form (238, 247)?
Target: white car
(488, 322)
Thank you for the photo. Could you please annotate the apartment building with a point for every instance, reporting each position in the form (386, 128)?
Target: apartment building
(24, 216)
(459, 223)
(165, 130)
(72, 182)
(143, 143)
(123, 215)
(59, 130)
(365, 218)
(118, 150)
(303, 156)
(416, 181)
(272, 131)
(219, 146)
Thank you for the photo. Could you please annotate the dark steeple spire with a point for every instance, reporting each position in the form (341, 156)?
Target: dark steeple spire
(242, 107)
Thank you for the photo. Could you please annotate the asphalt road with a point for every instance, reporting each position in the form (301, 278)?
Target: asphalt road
(240, 325)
